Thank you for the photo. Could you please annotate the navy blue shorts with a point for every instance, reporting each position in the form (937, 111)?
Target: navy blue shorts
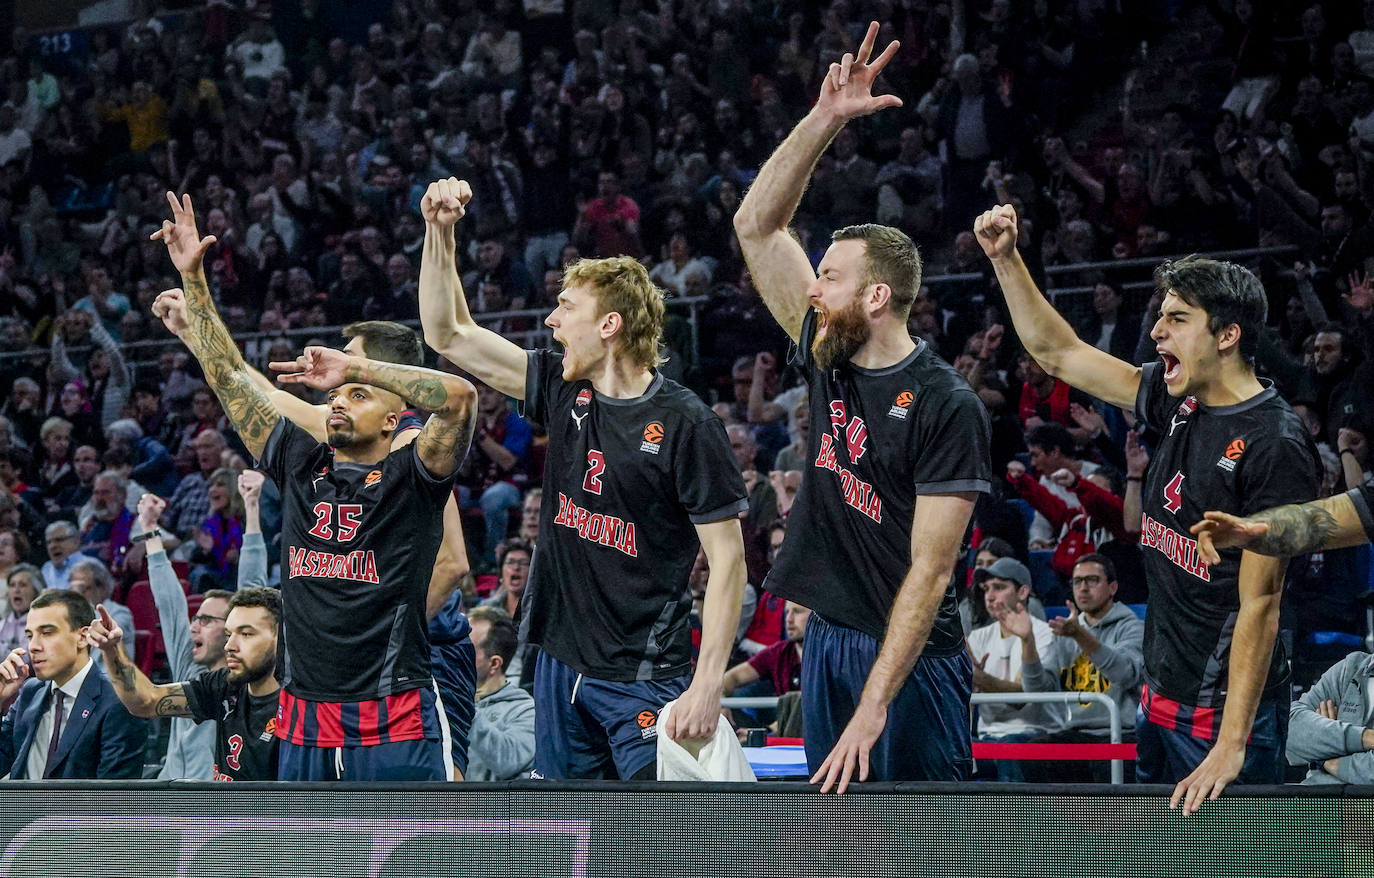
(455, 673)
(589, 728)
(927, 734)
(401, 760)
(1167, 756)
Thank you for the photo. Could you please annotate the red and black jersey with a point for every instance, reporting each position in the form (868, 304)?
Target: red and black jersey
(1240, 459)
(358, 546)
(245, 725)
(879, 439)
(626, 482)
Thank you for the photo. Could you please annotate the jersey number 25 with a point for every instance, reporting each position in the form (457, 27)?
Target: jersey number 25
(349, 515)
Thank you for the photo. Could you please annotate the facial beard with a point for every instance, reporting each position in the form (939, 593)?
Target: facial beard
(342, 437)
(250, 674)
(846, 331)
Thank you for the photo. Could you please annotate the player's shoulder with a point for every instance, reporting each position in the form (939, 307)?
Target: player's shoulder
(680, 403)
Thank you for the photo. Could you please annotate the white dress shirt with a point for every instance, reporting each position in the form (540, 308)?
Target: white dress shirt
(38, 753)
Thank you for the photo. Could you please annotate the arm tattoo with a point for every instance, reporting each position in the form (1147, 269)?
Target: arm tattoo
(173, 703)
(124, 673)
(422, 387)
(1294, 529)
(247, 407)
(444, 440)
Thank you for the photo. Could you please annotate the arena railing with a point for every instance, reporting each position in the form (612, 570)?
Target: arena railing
(141, 352)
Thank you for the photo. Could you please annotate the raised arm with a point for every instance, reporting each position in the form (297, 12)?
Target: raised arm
(139, 695)
(778, 264)
(246, 405)
(453, 400)
(1047, 336)
(304, 415)
(444, 316)
(937, 531)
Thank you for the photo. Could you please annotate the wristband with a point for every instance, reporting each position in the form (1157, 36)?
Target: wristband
(1347, 451)
(146, 535)
(1135, 478)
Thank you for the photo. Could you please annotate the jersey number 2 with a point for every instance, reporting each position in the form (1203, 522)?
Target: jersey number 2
(349, 516)
(596, 465)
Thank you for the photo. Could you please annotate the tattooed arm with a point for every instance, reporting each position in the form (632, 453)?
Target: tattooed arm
(139, 695)
(248, 408)
(1330, 523)
(452, 400)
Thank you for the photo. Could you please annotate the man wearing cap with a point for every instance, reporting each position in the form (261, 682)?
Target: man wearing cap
(1012, 640)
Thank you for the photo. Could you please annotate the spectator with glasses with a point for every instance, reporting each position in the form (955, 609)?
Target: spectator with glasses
(513, 561)
(62, 540)
(193, 648)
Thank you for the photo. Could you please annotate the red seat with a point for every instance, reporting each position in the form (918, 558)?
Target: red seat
(182, 569)
(193, 602)
(152, 654)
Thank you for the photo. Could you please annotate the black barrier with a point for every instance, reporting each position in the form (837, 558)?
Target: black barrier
(185, 830)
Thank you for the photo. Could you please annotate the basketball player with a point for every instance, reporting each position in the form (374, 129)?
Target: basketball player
(1214, 707)
(891, 481)
(361, 527)
(241, 698)
(639, 471)
(451, 646)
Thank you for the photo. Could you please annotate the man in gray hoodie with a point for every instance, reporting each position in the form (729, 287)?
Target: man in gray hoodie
(1103, 640)
(501, 743)
(1329, 726)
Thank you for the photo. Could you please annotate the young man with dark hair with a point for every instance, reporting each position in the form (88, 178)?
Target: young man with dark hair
(875, 529)
(639, 473)
(241, 697)
(1215, 702)
(502, 745)
(361, 526)
(66, 722)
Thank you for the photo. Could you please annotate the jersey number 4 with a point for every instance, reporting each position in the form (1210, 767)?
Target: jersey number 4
(349, 516)
(596, 465)
(1173, 494)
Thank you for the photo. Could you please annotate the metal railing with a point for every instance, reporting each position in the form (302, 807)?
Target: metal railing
(1113, 712)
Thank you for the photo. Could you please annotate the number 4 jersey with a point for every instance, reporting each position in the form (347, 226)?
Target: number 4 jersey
(625, 483)
(358, 549)
(1240, 459)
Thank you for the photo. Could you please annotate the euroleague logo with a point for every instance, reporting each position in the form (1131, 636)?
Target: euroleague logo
(653, 437)
(647, 721)
(1234, 451)
(372, 478)
(901, 406)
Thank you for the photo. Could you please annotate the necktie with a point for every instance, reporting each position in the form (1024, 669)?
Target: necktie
(56, 733)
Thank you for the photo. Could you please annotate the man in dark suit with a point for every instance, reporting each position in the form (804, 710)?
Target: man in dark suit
(66, 722)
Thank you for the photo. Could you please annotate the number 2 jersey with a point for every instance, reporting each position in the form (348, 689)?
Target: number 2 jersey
(625, 483)
(1241, 459)
(879, 438)
(358, 549)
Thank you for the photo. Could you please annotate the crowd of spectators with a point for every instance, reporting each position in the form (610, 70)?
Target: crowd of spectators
(602, 128)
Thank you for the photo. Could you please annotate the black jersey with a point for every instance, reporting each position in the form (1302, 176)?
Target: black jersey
(358, 545)
(1363, 498)
(625, 483)
(1239, 459)
(879, 438)
(245, 725)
